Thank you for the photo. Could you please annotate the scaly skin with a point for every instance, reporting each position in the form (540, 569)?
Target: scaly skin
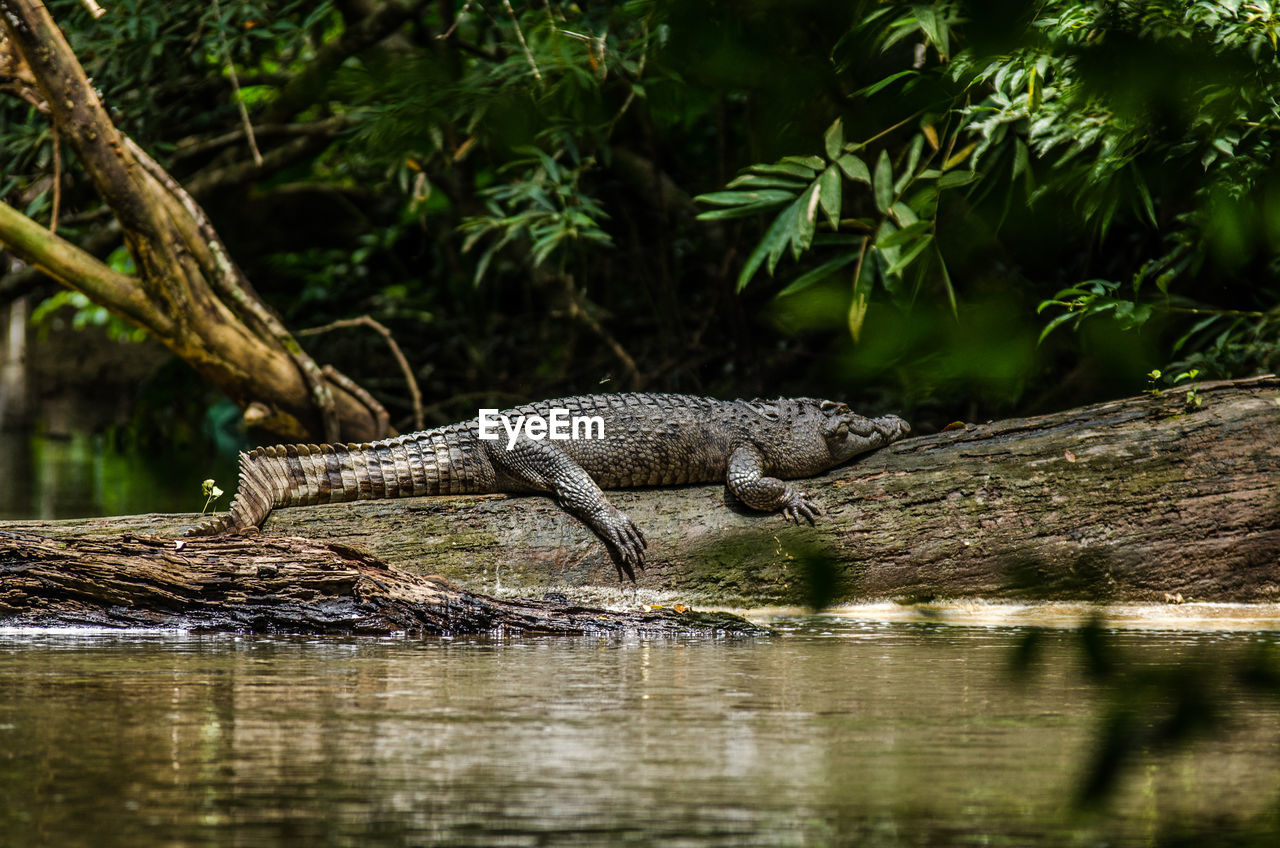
(649, 440)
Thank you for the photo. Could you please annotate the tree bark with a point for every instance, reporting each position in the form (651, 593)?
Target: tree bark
(187, 292)
(286, 586)
(1135, 499)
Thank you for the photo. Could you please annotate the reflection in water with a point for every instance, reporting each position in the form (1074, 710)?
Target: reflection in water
(85, 475)
(835, 732)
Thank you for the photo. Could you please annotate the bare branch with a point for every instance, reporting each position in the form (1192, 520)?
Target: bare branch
(368, 321)
(235, 88)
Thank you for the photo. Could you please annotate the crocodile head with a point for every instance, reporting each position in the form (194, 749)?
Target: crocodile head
(848, 434)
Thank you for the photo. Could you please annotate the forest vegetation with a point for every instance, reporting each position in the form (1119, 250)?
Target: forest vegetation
(946, 210)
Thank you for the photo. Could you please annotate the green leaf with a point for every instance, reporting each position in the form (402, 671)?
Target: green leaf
(901, 237)
(1054, 324)
(807, 222)
(833, 139)
(789, 169)
(955, 179)
(887, 81)
(814, 163)
(903, 214)
(913, 159)
(934, 29)
(776, 234)
(830, 188)
(883, 182)
(744, 198)
(817, 275)
(754, 181)
(789, 221)
(854, 168)
(1145, 194)
(735, 212)
(861, 302)
(946, 282)
(907, 258)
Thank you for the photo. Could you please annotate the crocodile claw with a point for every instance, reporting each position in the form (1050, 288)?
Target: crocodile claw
(799, 506)
(625, 542)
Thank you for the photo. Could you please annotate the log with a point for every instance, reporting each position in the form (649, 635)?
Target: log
(243, 585)
(1141, 499)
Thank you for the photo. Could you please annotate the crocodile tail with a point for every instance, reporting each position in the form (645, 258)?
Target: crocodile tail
(300, 475)
(252, 503)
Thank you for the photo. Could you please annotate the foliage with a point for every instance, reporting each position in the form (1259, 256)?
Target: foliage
(900, 230)
(932, 172)
(1150, 124)
(544, 205)
(48, 316)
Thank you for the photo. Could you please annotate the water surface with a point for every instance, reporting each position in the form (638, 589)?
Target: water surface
(838, 731)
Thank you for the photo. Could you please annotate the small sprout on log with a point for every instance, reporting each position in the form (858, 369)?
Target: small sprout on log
(211, 493)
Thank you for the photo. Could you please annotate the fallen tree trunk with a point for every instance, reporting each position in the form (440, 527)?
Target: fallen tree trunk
(281, 586)
(1133, 499)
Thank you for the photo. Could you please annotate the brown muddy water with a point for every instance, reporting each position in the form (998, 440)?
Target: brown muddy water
(860, 728)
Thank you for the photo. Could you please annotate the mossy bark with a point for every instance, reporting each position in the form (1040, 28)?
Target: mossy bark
(1134, 499)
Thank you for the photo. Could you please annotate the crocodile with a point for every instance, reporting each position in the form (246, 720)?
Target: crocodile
(754, 446)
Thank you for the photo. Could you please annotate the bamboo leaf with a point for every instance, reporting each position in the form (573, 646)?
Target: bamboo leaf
(833, 139)
(830, 188)
(1054, 324)
(887, 81)
(744, 198)
(775, 235)
(903, 214)
(817, 275)
(913, 159)
(861, 301)
(755, 181)
(736, 212)
(787, 223)
(814, 163)
(854, 168)
(883, 182)
(946, 282)
(902, 236)
(955, 179)
(907, 258)
(959, 156)
(789, 169)
(806, 223)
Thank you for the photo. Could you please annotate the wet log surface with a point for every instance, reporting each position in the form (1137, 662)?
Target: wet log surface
(282, 586)
(1135, 499)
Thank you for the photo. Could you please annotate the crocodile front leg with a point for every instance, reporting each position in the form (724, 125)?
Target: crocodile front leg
(748, 483)
(543, 466)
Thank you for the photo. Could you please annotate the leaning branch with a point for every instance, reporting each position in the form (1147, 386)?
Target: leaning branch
(78, 270)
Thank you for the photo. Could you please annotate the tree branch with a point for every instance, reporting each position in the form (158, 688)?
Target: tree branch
(308, 86)
(76, 269)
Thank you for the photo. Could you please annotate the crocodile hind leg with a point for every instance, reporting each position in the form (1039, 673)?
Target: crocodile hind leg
(544, 467)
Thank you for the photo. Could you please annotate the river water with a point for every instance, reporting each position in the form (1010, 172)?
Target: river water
(841, 729)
